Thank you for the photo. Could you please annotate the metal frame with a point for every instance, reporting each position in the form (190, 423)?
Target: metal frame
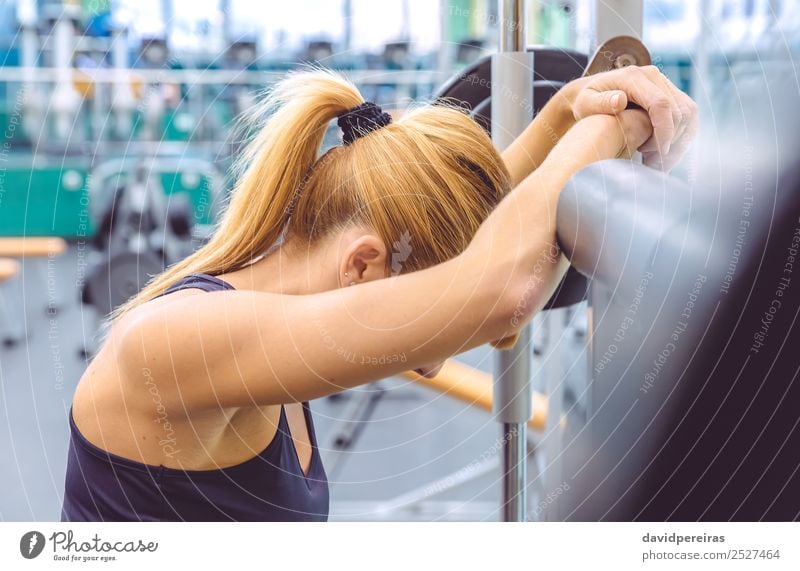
(512, 111)
(616, 18)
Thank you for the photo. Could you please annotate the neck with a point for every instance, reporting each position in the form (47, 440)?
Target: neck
(289, 269)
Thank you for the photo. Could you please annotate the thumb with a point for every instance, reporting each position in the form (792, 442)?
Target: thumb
(601, 102)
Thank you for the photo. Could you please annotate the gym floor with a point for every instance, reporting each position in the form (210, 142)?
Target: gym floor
(403, 466)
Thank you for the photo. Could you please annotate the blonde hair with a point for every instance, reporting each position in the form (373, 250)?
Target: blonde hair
(427, 181)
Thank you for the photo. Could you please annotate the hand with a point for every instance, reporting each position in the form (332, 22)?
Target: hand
(599, 137)
(672, 113)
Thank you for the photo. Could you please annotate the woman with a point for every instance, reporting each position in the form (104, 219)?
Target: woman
(195, 408)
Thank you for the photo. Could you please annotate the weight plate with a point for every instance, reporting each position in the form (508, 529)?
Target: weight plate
(617, 53)
(123, 275)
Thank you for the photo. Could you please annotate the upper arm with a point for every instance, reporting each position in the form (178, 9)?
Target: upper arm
(531, 147)
(239, 348)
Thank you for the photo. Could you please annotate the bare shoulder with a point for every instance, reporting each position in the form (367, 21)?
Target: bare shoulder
(119, 371)
(191, 340)
(106, 380)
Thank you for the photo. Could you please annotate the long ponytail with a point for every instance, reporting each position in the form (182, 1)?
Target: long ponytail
(271, 169)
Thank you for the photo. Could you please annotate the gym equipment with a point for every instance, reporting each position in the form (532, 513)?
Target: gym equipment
(45, 198)
(688, 409)
(456, 380)
(552, 69)
(34, 248)
(616, 53)
(474, 387)
(511, 89)
(505, 76)
(131, 244)
(31, 247)
(141, 228)
(66, 101)
(8, 268)
(348, 430)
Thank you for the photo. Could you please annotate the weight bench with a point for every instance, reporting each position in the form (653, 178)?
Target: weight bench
(14, 320)
(8, 269)
(475, 388)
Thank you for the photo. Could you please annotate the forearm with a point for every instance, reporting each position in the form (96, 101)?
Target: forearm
(520, 237)
(520, 234)
(531, 148)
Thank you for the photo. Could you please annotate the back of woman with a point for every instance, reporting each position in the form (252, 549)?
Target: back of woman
(270, 486)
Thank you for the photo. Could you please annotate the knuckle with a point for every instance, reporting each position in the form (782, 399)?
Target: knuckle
(661, 103)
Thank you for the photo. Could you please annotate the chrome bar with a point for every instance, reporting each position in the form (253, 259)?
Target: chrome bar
(512, 111)
(515, 474)
(511, 16)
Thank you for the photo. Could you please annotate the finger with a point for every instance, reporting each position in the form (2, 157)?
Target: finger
(649, 146)
(681, 145)
(689, 118)
(651, 97)
(636, 128)
(685, 133)
(679, 110)
(652, 156)
(686, 130)
(653, 159)
(593, 102)
(670, 90)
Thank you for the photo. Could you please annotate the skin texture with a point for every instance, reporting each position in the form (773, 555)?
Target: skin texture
(309, 321)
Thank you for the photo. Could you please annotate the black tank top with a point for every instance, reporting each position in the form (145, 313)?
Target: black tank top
(101, 486)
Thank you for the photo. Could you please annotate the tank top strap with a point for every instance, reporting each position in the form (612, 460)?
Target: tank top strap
(205, 282)
(310, 423)
(285, 431)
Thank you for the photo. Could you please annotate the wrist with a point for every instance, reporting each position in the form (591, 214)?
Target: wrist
(557, 115)
(565, 99)
(592, 139)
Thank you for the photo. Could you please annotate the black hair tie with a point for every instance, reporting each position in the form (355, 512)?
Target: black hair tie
(362, 120)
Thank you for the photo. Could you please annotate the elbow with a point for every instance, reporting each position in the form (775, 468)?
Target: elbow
(517, 304)
(526, 300)
(527, 292)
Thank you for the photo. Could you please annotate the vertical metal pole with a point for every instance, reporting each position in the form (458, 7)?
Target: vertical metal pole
(347, 16)
(65, 101)
(444, 61)
(617, 18)
(702, 68)
(123, 101)
(32, 96)
(512, 25)
(512, 111)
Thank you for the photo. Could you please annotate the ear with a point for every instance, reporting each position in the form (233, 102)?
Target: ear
(363, 260)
